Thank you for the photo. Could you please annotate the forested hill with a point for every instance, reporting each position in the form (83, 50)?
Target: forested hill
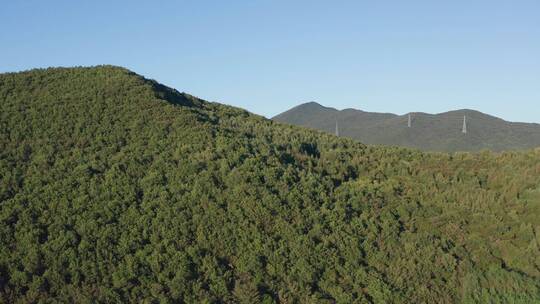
(431, 132)
(116, 189)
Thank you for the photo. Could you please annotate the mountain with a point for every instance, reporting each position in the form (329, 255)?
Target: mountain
(114, 189)
(431, 132)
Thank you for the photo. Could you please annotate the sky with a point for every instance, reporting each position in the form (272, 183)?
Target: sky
(268, 56)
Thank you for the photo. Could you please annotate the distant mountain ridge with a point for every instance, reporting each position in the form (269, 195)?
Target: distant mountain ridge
(432, 132)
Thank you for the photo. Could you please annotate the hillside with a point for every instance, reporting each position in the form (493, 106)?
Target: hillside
(431, 132)
(114, 189)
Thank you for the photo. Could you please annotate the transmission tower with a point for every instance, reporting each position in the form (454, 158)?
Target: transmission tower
(464, 130)
(337, 128)
(409, 122)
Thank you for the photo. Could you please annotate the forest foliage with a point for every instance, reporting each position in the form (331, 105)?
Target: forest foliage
(114, 188)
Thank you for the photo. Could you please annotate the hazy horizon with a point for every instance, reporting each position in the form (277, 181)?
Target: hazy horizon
(267, 57)
(401, 114)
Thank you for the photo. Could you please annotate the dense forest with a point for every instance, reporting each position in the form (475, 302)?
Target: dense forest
(114, 188)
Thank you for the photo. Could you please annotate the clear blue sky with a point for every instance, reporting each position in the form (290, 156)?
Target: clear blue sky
(267, 56)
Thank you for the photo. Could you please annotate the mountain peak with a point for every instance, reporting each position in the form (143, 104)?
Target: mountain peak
(313, 105)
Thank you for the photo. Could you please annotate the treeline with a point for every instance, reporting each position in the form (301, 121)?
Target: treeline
(114, 188)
